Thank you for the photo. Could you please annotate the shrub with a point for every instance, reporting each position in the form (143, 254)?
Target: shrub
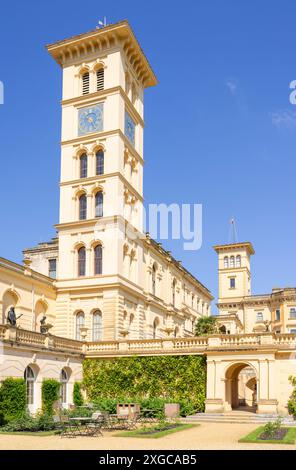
(77, 395)
(50, 394)
(150, 381)
(206, 326)
(292, 399)
(12, 399)
(26, 422)
(272, 427)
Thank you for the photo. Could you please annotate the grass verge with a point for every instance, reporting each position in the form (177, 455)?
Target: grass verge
(28, 433)
(253, 437)
(138, 433)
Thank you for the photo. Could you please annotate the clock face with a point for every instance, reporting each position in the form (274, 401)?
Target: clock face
(90, 119)
(129, 128)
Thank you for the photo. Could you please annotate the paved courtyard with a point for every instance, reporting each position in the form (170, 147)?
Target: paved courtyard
(206, 436)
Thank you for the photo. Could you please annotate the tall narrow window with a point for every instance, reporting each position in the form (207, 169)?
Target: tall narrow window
(85, 83)
(100, 79)
(83, 166)
(79, 325)
(82, 207)
(153, 279)
(64, 383)
(97, 327)
(52, 268)
(29, 379)
(174, 292)
(81, 261)
(226, 264)
(99, 204)
(232, 261)
(98, 258)
(232, 283)
(238, 261)
(100, 162)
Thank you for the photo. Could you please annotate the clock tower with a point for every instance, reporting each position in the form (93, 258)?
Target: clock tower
(105, 73)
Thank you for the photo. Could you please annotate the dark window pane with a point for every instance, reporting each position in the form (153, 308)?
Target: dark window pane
(98, 259)
(99, 205)
(81, 261)
(83, 166)
(100, 163)
(82, 207)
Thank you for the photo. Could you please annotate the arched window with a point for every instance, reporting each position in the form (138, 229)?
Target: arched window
(79, 325)
(82, 207)
(100, 79)
(98, 259)
(97, 326)
(238, 261)
(29, 379)
(174, 292)
(81, 261)
(85, 83)
(100, 162)
(153, 279)
(232, 261)
(83, 166)
(99, 204)
(226, 263)
(64, 383)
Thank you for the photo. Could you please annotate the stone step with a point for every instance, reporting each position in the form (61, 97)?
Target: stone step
(238, 418)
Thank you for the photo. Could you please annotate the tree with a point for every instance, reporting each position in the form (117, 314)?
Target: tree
(292, 399)
(206, 326)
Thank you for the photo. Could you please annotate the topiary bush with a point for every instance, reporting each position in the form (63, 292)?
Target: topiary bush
(50, 391)
(150, 381)
(77, 395)
(12, 399)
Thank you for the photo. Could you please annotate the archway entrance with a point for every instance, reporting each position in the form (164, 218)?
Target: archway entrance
(241, 388)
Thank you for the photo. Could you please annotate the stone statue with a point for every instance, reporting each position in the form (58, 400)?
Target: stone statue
(43, 327)
(11, 317)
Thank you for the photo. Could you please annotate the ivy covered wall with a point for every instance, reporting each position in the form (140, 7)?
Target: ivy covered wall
(179, 379)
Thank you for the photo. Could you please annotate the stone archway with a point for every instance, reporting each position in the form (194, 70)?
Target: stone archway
(241, 387)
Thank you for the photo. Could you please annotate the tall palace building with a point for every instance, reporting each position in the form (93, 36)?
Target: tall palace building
(102, 278)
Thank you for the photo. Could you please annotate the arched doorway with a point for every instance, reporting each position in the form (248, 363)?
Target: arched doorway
(241, 387)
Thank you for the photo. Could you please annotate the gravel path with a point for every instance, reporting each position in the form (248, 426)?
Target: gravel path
(206, 436)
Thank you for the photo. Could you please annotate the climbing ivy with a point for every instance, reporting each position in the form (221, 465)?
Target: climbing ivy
(180, 379)
(77, 395)
(50, 394)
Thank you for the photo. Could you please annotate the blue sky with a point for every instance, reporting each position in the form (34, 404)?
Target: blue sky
(219, 125)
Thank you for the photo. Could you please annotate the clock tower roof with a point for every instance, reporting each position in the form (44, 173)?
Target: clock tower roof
(76, 48)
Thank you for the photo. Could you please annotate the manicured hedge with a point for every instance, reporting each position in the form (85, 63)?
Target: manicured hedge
(12, 399)
(180, 379)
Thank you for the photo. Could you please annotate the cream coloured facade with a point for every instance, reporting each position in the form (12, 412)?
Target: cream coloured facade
(239, 310)
(109, 290)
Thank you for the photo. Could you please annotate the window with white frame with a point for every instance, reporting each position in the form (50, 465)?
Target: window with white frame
(64, 384)
(80, 320)
(29, 377)
(231, 261)
(226, 262)
(97, 326)
(259, 316)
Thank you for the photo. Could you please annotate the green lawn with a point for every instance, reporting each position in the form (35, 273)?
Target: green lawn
(140, 432)
(29, 433)
(289, 438)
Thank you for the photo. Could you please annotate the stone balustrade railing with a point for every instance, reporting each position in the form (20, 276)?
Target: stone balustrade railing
(190, 345)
